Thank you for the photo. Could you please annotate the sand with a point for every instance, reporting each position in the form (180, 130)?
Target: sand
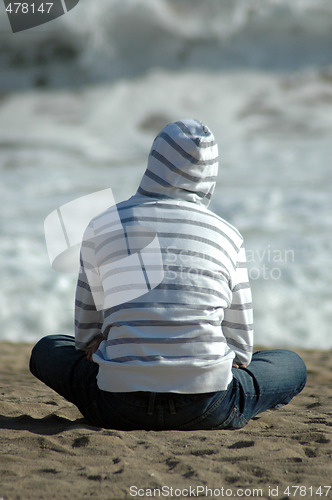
(49, 451)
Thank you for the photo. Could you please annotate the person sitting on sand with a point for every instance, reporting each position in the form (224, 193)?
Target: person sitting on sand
(178, 354)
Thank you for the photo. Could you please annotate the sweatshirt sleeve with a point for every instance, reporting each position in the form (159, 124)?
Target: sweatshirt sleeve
(88, 300)
(237, 325)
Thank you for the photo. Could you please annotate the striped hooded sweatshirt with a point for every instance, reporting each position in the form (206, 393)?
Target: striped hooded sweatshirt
(184, 328)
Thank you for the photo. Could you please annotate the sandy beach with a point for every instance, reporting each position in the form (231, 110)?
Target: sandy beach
(49, 451)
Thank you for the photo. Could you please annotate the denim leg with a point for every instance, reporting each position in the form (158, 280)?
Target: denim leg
(55, 361)
(271, 380)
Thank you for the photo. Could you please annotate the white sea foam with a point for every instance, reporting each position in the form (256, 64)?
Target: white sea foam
(112, 39)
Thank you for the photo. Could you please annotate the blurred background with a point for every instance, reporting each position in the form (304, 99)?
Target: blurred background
(82, 98)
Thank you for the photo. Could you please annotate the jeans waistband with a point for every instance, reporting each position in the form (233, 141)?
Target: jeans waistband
(152, 398)
(175, 395)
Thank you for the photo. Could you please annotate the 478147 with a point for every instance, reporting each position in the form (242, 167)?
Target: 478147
(29, 7)
(308, 491)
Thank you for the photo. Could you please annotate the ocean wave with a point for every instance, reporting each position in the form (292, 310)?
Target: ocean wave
(273, 129)
(110, 39)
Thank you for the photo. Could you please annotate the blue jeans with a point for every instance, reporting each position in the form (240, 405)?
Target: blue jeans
(272, 379)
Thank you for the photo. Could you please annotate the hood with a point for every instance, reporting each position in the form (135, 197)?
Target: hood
(182, 164)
